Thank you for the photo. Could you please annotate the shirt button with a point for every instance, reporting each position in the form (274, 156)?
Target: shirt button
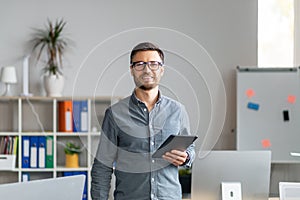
(153, 161)
(152, 179)
(152, 143)
(145, 109)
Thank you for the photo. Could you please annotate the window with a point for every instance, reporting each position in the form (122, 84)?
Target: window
(297, 33)
(276, 33)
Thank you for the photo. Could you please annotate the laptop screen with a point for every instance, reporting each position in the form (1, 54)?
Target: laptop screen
(250, 168)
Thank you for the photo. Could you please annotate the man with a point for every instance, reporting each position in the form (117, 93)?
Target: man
(133, 129)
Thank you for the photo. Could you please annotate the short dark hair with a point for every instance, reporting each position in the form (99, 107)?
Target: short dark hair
(146, 46)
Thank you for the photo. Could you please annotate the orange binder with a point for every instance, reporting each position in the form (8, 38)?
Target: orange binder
(65, 117)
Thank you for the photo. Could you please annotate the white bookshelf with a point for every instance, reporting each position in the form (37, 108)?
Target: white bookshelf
(17, 119)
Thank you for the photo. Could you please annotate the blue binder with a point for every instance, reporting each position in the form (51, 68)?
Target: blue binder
(80, 116)
(76, 116)
(84, 116)
(25, 177)
(41, 152)
(67, 173)
(25, 151)
(34, 151)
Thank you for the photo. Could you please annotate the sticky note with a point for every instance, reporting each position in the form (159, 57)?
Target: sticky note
(253, 106)
(250, 93)
(266, 143)
(291, 99)
(286, 116)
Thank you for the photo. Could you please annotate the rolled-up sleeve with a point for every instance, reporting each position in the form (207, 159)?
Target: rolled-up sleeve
(185, 130)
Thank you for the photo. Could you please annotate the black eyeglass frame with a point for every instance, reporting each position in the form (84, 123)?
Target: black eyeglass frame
(160, 64)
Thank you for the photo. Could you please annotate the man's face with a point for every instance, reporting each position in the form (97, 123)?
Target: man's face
(147, 79)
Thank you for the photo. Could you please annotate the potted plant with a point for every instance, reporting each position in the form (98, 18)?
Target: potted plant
(51, 43)
(72, 151)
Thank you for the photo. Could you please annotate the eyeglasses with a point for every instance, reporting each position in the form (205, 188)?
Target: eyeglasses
(140, 65)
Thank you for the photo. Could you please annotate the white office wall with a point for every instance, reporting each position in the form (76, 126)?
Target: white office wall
(226, 29)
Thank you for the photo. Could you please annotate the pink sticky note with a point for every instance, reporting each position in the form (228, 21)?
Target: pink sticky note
(265, 143)
(250, 93)
(291, 99)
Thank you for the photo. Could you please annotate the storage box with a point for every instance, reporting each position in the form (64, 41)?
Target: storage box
(7, 162)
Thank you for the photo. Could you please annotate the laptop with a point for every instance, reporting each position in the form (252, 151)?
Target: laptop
(62, 188)
(249, 168)
(289, 190)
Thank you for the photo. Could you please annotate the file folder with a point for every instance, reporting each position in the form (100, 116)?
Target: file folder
(25, 177)
(49, 152)
(76, 116)
(80, 116)
(33, 151)
(15, 145)
(25, 151)
(65, 116)
(84, 116)
(68, 174)
(41, 152)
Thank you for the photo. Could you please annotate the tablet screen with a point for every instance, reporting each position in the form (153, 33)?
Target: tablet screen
(177, 142)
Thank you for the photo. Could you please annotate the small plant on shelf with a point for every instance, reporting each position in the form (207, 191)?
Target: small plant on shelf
(72, 151)
(72, 148)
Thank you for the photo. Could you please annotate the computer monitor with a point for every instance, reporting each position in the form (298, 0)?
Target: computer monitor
(250, 168)
(62, 188)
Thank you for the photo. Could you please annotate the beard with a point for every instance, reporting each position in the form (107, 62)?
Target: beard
(147, 87)
(147, 80)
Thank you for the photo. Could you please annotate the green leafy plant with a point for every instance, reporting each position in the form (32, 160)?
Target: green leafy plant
(72, 148)
(52, 42)
(185, 171)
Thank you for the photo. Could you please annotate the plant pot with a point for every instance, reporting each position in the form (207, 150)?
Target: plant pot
(72, 160)
(54, 85)
(185, 181)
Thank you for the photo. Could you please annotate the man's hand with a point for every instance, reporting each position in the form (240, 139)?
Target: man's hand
(176, 157)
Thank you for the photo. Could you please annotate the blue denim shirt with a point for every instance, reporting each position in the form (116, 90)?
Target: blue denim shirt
(130, 135)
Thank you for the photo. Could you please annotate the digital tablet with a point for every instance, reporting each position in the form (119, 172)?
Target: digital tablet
(177, 142)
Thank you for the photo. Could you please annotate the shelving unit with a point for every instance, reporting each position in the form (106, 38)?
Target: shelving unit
(38, 116)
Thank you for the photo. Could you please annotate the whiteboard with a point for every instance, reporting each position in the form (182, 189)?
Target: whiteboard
(268, 112)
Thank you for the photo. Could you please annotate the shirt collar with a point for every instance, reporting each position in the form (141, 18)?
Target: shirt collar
(137, 101)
